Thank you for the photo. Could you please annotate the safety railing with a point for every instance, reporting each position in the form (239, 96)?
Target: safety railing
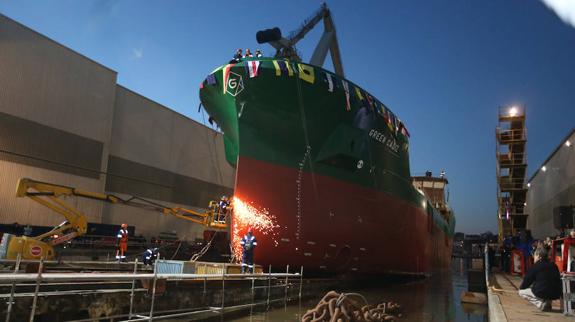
(568, 280)
(15, 280)
(510, 159)
(509, 183)
(505, 136)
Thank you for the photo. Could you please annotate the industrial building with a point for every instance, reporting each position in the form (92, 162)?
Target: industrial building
(65, 120)
(552, 186)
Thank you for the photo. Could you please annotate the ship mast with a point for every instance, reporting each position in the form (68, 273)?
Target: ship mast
(285, 47)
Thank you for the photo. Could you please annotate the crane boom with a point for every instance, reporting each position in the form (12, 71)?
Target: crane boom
(286, 46)
(50, 195)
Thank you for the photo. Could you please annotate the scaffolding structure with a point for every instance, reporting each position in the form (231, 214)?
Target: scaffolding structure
(38, 288)
(511, 154)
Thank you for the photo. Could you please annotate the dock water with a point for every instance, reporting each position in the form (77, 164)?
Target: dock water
(436, 298)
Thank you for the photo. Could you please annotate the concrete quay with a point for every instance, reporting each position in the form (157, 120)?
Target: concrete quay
(505, 304)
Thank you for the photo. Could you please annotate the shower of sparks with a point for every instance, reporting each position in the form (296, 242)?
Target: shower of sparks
(246, 215)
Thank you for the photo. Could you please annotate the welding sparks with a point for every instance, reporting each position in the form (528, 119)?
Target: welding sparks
(246, 215)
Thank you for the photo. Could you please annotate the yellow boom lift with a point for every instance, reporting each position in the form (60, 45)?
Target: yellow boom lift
(50, 195)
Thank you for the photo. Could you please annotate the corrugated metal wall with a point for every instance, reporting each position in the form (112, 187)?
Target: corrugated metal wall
(64, 120)
(53, 100)
(551, 188)
(162, 155)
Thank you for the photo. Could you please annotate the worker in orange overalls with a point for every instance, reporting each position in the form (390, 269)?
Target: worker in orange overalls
(122, 242)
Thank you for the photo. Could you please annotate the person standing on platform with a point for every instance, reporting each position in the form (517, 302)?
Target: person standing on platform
(248, 243)
(506, 254)
(542, 283)
(223, 210)
(122, 242)
(237, 57)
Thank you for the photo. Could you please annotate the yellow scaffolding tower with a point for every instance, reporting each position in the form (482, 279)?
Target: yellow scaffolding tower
(511, 140)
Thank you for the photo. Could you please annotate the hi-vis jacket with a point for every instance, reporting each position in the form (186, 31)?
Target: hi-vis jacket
(249, 242)
(122, 236)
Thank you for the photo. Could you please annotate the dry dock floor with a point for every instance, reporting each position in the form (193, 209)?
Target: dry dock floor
(515, 308)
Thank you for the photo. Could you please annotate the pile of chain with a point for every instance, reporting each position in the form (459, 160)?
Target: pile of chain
(336, 307)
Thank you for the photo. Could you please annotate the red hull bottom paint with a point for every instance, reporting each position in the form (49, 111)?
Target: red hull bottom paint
(332, 226)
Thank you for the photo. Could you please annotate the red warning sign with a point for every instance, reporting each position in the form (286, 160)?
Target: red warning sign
(36, 251)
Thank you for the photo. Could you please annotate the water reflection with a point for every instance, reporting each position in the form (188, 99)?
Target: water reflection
(433, 299)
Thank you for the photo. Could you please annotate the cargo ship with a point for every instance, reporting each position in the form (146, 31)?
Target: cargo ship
(330, 164)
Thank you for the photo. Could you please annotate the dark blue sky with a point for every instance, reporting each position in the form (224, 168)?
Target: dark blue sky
(443, 67)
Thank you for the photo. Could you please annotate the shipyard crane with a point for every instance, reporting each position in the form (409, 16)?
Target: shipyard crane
(285, 47)
(50, 195)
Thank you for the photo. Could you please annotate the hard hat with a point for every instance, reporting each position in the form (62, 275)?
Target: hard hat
(124, 225)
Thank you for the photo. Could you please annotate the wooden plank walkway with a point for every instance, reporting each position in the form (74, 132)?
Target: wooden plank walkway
(517, 309)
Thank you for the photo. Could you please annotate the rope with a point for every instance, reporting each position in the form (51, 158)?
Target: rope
(335, 307)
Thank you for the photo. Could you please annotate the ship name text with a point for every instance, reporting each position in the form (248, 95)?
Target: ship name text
(390, 143)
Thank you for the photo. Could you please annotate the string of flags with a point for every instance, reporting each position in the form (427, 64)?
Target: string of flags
(307, 73)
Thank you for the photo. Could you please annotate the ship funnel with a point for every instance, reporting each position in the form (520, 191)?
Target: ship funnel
(268, 35)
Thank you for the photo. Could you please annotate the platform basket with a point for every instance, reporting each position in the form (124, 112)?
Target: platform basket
(164, 266)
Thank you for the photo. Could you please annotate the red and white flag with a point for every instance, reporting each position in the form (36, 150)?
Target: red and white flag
(226, 75)
(329, 82)
(346, 89)
(253, 67)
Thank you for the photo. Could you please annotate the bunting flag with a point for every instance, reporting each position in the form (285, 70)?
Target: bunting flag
(380, 109)
(282, 67)
(306, 73)
(211, 79)
(387, 118)
(226, 74)
(346, 89)
(252, 68)
(329, 82)
(404, 130)
(370, 101)
(358, 92)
